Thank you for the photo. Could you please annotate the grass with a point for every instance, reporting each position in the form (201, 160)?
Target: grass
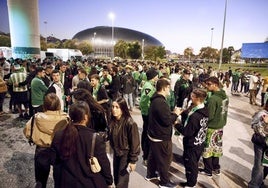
(261, 68)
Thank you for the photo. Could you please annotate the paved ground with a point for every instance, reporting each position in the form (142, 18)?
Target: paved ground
(16, 156)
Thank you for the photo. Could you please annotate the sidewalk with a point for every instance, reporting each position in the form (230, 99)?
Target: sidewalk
(16, 157)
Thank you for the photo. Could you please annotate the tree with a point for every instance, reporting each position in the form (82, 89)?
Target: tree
(188, 52)
(85, 47)
(121, 49)
(225, 55)
(134, 50)
(209, 53)
(5, 41)
(154, 52)
(230, 52)
(71, 44)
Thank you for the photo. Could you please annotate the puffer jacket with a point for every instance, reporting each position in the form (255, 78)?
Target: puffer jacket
(46, 124)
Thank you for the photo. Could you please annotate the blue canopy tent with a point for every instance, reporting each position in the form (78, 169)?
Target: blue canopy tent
(254, 50)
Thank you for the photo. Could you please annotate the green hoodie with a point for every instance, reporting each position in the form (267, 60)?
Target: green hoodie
(146, 93)
(218, 107)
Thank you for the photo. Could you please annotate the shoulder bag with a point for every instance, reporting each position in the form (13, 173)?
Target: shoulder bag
(93, 161)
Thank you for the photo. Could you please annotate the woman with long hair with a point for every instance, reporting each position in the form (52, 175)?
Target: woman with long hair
(125, 141)
(259, 124)
(98, 119)
(45, 125)
(72, 148)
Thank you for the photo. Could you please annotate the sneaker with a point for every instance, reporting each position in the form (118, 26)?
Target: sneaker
(217, 172)
(168, 185)
(185, 185)
(156, 177)
(204, 172)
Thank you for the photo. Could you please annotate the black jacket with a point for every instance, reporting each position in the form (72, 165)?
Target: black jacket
(182, 90)
(124, 138)
(75, 171)
(195, 130)
(161, 118)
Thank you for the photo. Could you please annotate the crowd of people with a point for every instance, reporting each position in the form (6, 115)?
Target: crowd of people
(98, 97)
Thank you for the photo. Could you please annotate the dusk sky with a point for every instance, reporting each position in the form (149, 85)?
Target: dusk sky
(178, 24)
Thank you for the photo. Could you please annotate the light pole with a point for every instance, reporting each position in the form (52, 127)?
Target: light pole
(45, 22)
(142, 49)
(222, 40)
(112, 17)
(94, 44)
(211, 40)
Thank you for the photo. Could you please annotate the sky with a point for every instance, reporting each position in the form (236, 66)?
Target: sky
(177, 24)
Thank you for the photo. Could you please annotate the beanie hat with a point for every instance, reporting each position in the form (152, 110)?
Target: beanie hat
(151, 73)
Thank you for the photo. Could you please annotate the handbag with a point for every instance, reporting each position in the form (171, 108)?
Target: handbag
(93, 161)
(3, 86)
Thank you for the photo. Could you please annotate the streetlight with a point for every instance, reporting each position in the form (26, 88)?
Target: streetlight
(45, 22)
(211, 37)
(142, 49)
(94, 44)
(211, 40)
(112, 17)
(222, 40)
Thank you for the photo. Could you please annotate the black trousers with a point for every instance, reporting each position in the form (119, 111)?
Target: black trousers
(191, 157)
(160, 156)
(121, 175)
(211, 163)
(42, 161)
(145, 143)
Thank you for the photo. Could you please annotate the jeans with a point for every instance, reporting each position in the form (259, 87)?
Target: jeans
(128, 98)
(257, 170)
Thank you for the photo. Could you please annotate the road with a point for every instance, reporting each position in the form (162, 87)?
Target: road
(16, 156)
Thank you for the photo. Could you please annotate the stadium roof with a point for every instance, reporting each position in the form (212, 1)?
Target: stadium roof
(255, 50)
(102, 35)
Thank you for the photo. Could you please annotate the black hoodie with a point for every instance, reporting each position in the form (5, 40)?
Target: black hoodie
(161, 119)
(195, 130)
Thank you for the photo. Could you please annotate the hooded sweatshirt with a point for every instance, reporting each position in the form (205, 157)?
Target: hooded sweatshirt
(194, 131)
(217, 105)
(161, 118)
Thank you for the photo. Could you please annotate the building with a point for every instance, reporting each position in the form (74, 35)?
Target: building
(101, 38)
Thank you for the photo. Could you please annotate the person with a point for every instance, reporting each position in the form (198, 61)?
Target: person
(57, 87)
(147, 92)
(30, 76)
(160, 126)
(82, 75)
(98, 120)
(194, 128)
(264, 90)
(20, 93)
(114, 88)
(183, 88)
(72, 149)
(235, 81)
(66, 80)
(3, 91)
(217, 105)
(125, 141)
(38, 90)
(253, 88)
(100, 94)
(128, 83)
(259, 124)
(48, 122)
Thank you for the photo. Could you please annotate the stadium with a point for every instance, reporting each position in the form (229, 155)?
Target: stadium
(101, 38)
